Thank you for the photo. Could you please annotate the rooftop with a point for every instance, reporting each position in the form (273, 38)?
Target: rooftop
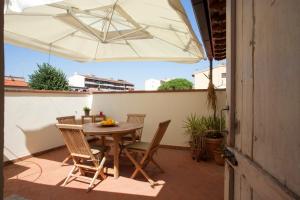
(108, 80)
(42, 177)
(14, 81)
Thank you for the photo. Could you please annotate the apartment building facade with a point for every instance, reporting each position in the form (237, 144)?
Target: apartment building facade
(201, 78)
(79, 82)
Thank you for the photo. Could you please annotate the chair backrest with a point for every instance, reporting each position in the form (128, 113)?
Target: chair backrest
(66, 120)
(137, 118)
(160, 132)
(75, 141)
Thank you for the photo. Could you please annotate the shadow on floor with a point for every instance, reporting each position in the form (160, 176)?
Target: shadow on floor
(183, 179)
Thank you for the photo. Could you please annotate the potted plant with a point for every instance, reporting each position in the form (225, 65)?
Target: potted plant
(213, 134)
(218, 155)
(195, 128)
(86, 111)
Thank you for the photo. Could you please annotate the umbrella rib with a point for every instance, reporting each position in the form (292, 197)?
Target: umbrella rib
(86, 27)
(71, 33)
(31, 14)
(171, 28)
(163, 28)
(186, 48)
(109, 22)
(170, 43)
(131, 47)
(40, 42)
(126, 42)
(121, 36)
(76, 10)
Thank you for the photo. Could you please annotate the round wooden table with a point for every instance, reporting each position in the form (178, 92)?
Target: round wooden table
(116, 132)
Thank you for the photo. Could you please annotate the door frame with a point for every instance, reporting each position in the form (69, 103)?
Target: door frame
(1, 97)
(259, 180)
(230, 90)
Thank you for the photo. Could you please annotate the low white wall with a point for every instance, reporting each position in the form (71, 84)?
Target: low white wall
(158, 107)
(30, 120)
(30, 117)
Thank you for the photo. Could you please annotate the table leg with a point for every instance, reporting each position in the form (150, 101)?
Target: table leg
(103, 140)
(116, 155)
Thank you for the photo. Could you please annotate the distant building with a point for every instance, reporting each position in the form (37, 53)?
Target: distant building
(14, 82)
(201, 78)
(153, 84)
(92, 83)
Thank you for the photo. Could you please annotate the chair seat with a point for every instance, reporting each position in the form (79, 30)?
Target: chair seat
(129, 138)
(99, 149)
(142, 146)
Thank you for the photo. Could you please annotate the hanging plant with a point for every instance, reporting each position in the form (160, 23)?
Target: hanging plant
(212, 97)
(211, 92)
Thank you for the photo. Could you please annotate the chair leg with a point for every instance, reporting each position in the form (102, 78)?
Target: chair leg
(103, 176)
(143, 163)
(138, 167)
(64, 162)
(157, 165)
(93, 180)
(69, 175)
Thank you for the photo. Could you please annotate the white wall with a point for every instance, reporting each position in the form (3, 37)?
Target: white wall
(76, 80)
(158, 107)
(201, 78)
(30, 119)
(152, 84)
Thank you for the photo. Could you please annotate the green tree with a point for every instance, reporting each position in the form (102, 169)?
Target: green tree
(176, 84)
(47, 77)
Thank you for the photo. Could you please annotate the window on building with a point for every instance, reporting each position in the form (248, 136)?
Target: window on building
(223, 75)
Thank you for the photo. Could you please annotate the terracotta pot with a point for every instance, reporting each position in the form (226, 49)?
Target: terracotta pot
(218, 157)
(212, 144)
(87, 113)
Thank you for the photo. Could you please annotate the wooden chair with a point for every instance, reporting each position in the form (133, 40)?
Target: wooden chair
(66, 120)
(72, 120)
(135, 137)
(86, 160)
(148, 150)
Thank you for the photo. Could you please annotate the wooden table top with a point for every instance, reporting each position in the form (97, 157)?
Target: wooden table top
(122, 127)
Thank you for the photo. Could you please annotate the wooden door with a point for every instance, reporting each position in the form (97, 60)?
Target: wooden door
(263, 92)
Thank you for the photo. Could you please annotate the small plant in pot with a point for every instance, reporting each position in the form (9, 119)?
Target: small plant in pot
(86, 111)
(195, 128)
(213, 135)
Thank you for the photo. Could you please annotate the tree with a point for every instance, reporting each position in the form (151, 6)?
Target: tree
(47, 77)
(176, 84)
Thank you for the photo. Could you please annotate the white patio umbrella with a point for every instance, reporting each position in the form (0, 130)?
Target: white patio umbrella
(103, 30)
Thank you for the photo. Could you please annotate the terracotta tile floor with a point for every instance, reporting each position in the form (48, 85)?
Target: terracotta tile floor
(184, 179)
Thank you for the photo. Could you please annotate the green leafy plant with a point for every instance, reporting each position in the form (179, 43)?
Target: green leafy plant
(177, 84)
(86, 109)
(209, 126)
(47, 77)
(195, 127)
(214, 123)
(214, 126)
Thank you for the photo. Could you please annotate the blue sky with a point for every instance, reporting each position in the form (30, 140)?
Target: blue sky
(22, 62)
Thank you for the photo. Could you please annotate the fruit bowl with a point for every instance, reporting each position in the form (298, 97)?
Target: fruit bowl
(108, 123)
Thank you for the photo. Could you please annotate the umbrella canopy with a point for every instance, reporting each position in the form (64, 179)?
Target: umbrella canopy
(105, 30)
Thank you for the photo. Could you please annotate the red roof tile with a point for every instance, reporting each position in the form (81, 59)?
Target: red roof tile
(15, 83)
